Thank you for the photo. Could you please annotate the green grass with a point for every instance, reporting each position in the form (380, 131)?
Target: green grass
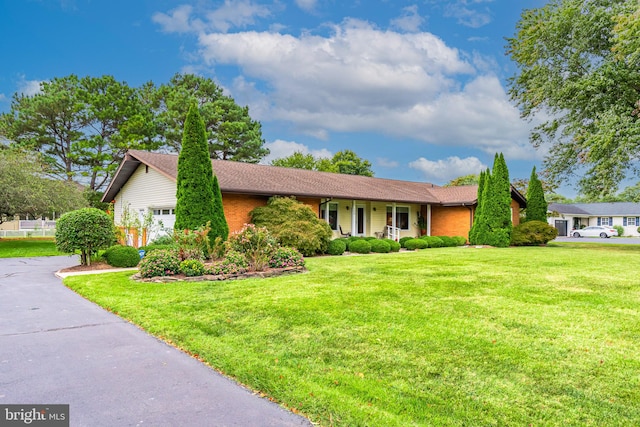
(545, 336)
(29, 247)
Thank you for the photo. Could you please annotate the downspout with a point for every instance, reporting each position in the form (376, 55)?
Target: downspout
(429, 220)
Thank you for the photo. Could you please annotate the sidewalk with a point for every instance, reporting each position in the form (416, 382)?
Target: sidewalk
(58, 348)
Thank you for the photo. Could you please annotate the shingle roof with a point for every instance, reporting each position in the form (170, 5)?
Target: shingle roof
(598, 209)
(248, 178)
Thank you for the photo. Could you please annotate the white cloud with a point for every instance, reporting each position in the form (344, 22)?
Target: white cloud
(387, 163)
(362, 78)
(307, 5)
(280, 148)
(469, 16)
(445, 170)
(231, 14)
(29, 87)
(410, 20)
(2, 97)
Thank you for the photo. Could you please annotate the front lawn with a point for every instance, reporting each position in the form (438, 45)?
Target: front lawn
(544, 336)
(29, 247)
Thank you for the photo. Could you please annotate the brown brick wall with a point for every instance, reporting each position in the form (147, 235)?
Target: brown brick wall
(237, 207)
(515, 213)
(450, 221)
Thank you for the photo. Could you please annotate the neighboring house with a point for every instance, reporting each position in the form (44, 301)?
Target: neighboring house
(566, 217)
(361, 206)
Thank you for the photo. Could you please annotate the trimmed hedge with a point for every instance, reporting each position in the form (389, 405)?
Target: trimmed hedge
(360, 246)
(447, 242)
(156, 247)
(403, 240)
(337, 247)
(413, 244)
(122, 256)
(433, 241)
(395, 246)
(380, 246)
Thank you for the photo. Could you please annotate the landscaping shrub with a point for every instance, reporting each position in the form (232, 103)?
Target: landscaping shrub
(233, 263)
(156, 247)
(433, 241)
(370, 238)
(256, 243)
(160, 263)
(122, 256)
(403, 240)
(163, 240)
(413, 244)
(380, 246)
(286, 257)
(337, 247)
(533, 233)
(619, 229)
(460, 240)
(192, 267)
(293, 224)
(395, 246)
(360, 246)
(87, 230)
(447, 242)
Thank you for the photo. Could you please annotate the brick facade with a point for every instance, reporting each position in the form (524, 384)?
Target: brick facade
(451, 221)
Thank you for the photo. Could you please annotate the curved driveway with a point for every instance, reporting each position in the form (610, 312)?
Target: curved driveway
(58, 348)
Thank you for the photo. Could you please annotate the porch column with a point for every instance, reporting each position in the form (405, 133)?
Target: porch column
(393, 221)
(326, 211)
(428, 220)
(354, 229)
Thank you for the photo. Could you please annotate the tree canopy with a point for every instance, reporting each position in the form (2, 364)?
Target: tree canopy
(24, 190)
(83, 126)
(579, 68)
(345, 162)
(470, 179)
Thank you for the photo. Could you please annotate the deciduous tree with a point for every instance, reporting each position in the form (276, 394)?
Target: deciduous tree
(579, 66)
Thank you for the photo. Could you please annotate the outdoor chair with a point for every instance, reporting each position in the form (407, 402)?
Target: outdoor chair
(343, 234)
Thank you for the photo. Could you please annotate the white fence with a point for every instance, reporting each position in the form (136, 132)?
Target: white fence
(28, 233)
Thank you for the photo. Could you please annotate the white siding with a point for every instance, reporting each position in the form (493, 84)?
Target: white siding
(144, 190)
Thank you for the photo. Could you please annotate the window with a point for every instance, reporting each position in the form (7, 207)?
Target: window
(402, 217)
(164, 211)
(605, 220)
(632, 220)
(333, 215)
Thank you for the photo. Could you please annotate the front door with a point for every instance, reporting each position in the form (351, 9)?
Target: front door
(360, 220)
(561, 226)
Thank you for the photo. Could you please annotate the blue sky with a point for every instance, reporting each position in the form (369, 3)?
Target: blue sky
(419, 88)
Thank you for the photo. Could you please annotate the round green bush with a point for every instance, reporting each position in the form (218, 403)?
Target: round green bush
(447, 242)
(460, 241)
(122, 256)
(413, 244)
(619, 229)
(87, 230)
(370, 238)
(156, 247)
(337, 247)
(403, 240)
(159, 263)
(380, 246)
(533, 233)
(192, 268)
(360, 246)
(395, 246)
(433, 241)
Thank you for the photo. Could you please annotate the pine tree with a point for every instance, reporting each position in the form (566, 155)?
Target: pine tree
(219, 226)
(195, 184)
(536, 204)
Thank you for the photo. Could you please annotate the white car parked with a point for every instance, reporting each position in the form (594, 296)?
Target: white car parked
(595, 231)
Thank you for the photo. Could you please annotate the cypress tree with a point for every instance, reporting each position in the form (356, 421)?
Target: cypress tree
(499, 214)
(195, 184)
(219, 226)
(484, 224)
(477, 217)
(536, 204)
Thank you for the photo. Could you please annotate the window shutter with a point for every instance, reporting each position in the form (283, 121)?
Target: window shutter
(624, 221)
(638, 220)
(599, 221)
(610, 221)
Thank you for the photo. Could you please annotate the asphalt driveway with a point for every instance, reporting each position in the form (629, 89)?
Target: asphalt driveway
(58, 348)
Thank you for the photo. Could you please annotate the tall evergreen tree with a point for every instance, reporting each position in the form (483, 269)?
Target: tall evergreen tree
(478, 220)
(219, 226)
(499, 215)
(536, 203)
(195, 184)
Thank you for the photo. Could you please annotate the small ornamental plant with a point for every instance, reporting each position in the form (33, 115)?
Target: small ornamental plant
(256, 243)
(192, 268)
(159, 263)
(233, 263)
(286, 257)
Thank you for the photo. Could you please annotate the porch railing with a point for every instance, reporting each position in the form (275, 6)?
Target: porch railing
(393, 233)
